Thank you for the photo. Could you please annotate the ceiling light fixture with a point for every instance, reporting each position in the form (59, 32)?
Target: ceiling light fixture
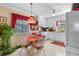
(31, 8)
(32, 19)
(53, 12)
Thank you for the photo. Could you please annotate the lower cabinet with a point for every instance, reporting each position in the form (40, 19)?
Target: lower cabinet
(56, 36)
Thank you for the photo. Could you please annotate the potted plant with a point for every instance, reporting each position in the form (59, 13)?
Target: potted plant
(5, 33)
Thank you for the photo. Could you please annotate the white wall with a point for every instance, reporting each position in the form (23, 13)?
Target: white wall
(7, 12)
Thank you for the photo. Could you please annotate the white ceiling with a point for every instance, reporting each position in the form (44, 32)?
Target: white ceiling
(40, 8)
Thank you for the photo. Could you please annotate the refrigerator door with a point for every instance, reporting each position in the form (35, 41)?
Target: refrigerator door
(72, 34)
(73, 29)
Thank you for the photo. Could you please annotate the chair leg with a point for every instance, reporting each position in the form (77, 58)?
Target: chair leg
(43, 52)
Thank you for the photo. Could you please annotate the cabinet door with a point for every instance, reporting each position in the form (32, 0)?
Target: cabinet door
(60, 36)
(42, 21)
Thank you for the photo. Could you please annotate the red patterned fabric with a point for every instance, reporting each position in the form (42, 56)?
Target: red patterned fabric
(31, 38)
(16, 16)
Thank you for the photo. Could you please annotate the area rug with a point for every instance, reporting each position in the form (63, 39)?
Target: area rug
(58, 43)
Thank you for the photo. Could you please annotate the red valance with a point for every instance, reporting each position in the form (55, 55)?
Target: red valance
(17, 17)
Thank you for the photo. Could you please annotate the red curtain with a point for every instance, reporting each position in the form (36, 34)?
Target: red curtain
(16, 17)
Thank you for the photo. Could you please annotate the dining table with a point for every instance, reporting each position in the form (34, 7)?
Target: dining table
(33, 40)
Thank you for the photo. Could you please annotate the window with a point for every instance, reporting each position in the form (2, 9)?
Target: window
(21, 26)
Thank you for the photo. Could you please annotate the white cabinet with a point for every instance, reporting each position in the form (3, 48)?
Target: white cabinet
(60, 36)
(57, 36)
(45, 22)
(42, 21)
(48, 35)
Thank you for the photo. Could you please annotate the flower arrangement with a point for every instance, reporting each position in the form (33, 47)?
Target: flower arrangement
(34, 34)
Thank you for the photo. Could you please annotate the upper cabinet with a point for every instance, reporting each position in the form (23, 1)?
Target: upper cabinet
(42, 21)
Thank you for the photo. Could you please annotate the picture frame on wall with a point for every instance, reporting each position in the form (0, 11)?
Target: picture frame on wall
(3, 19)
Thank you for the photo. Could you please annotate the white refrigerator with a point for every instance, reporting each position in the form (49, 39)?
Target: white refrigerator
(72, 33)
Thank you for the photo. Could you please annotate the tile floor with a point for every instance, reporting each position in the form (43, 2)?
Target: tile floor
(49, 49)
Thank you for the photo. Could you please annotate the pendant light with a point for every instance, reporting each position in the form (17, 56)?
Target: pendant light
(31, 8)
(31, 19)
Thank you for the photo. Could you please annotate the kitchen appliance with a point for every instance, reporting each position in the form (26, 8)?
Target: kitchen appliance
(72, 33)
